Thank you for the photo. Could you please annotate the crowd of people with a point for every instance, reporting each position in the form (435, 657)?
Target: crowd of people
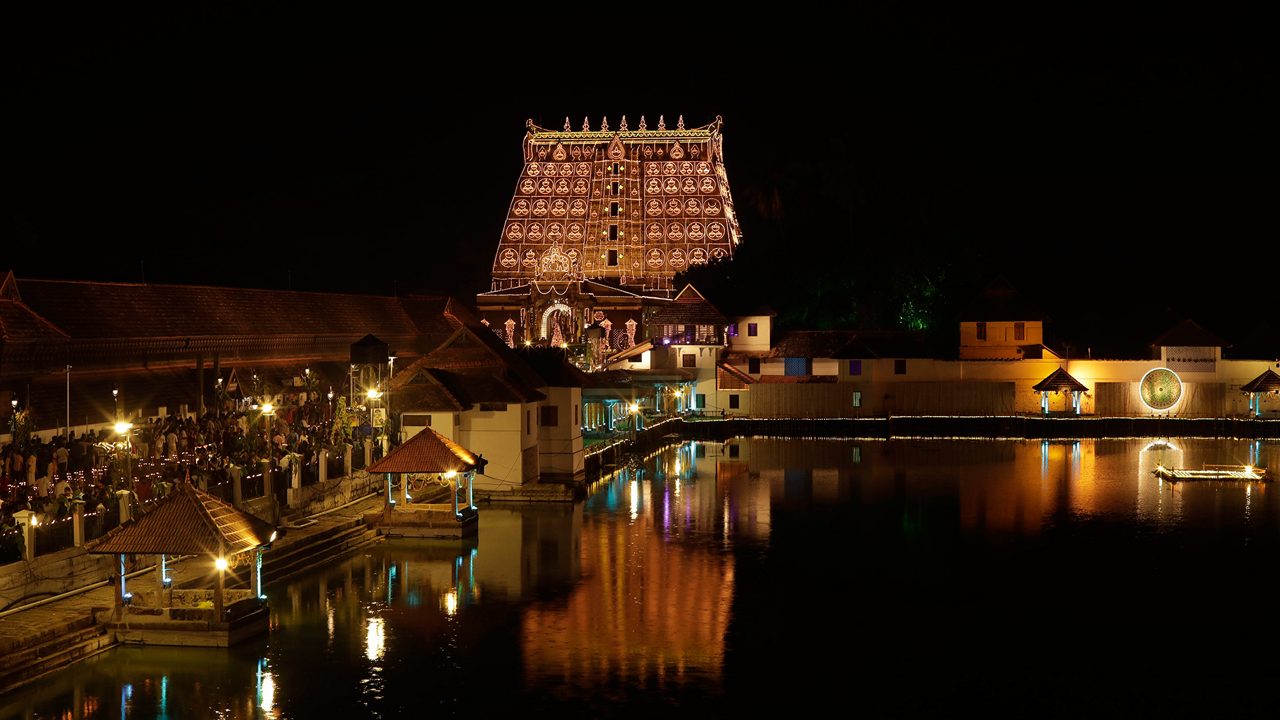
(47, 477)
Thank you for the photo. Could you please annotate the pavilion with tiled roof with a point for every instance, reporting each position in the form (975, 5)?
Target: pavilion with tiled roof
(1266, 383)
(440, 459)
(1060, 381)
(191, 522)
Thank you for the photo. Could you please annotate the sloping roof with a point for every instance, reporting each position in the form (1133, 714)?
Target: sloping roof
(688, 308)
(426, 452)
(1268, 381)
(19, 323)
(1060, 381)
(729, 377)
(187, 522)
(1188, 333)
(811, 343)
(796, 379)
(127, 310)
(634, 351)
(887, 344)
(424, 391)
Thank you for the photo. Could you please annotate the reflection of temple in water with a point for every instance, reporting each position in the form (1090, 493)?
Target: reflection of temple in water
(654, 601)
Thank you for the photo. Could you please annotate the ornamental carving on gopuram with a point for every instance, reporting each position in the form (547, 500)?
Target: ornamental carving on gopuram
(627, 206)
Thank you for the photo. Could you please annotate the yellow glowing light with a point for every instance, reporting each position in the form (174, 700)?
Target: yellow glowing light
(373, 394)
(375, 639)
(451, 603)
(268, 408)
(268, 699)
(273, 536)
(221, 564)
(1248, 469)
(451, 474)
(123, 427)
(564, 346)
(633, 408)
(528, 343)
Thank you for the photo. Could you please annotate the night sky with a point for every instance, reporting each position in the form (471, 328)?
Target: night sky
(1118, 173)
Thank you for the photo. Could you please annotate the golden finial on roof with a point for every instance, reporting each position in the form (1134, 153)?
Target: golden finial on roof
(566, 124)
(642, 127)
(586, 126)
(662, 124)
(623, 127)
(680, 123)
(604, 123)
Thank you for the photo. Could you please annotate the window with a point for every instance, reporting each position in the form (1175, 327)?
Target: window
(733, 330)
(417, 420)
(701, 450)
(613, 254)
(613, 209)
(615, 168)
(797, 366)
(549, 416)
(982, 331)
(855, 367)
(753, 366)
(613, 188)
(492, 407)
(752, 329)
(636, 359)
(857, 398)
(733, 402)
(613, 236)
(702, 401)
(689, 360)
(1019, 331)
(900, 367)
(733, 451)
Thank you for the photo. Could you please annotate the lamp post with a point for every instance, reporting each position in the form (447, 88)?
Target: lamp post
(268, 412)
(391, 371)
(373, 394)
(122, 430)
(13, 420)
(115, 401)
(634, 409)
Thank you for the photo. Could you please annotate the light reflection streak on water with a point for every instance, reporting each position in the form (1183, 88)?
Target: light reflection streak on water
(375, 639)
(266, 688)
(635, 499)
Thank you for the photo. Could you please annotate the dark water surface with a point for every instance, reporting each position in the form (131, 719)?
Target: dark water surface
(863, 578)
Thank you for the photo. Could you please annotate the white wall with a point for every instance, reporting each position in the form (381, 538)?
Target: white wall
(504, 437)
(746, 343)
(560, 452)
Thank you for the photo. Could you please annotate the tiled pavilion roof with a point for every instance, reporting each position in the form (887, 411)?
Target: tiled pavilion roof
(1060, 381)
(187, 522)
(426, 452)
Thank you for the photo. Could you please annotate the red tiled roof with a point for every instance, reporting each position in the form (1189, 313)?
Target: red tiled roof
(426, 452)
(1060, 381)
(729, 377)
(19, 322)
(1268, 381)
(187, 522)
(128, 310)
(811, 343)
(688, 308)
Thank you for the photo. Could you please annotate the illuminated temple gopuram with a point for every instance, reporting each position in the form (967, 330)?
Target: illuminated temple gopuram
(600, 224)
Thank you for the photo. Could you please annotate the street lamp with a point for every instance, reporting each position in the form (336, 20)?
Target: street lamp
(122, 430)
(268, 412)
(13, 420)
(115, 400)
(634, 409)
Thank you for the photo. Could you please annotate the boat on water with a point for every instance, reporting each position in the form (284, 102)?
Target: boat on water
(1212, 472)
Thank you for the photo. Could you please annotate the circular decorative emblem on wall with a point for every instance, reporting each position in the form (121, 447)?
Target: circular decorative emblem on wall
(1160, 389)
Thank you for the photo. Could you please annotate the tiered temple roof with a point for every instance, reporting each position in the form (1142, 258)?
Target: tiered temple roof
(631, 206)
